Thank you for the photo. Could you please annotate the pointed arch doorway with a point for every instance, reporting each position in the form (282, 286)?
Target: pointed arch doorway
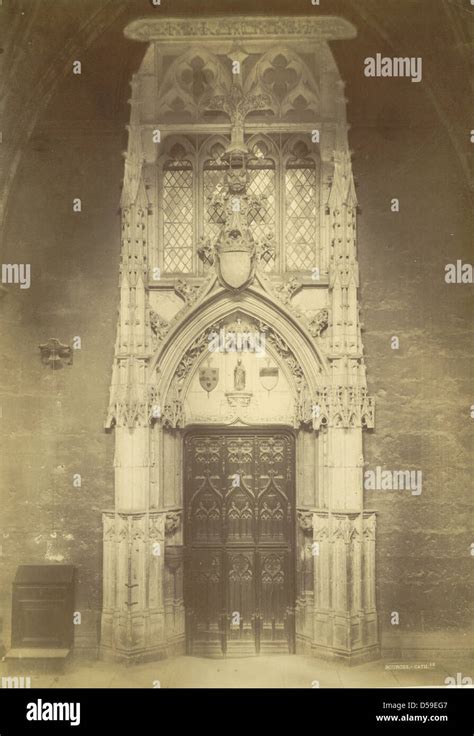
(298, 290)
(239, 537)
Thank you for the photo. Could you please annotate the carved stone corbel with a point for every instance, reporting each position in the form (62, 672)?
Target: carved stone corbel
(173, 522)
(304, 407)
(54, 353)
(305, 521)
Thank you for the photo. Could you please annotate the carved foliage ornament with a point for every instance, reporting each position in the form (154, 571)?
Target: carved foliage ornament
(159, 327)
(319, 323)
(285, 292)
(283, 350)
(187, 291)
(288, 289)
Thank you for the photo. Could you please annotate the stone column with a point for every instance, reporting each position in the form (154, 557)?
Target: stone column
(345, 617)
(133, 616)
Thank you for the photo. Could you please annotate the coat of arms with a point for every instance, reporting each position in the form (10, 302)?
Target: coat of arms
(235, 251)
(269, 377)
(209, 378)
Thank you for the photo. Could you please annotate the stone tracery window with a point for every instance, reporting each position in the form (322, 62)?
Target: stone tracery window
(262, 174)
(293, 225)
(283, 168)
(300, 209)
(178, 213)
(212, 178)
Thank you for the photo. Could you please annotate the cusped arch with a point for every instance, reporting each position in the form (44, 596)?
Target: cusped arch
(201, 360)
(186, 341)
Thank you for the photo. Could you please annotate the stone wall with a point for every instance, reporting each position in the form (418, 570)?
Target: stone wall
(52, 422)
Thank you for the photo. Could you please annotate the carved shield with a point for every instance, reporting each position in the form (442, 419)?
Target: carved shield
(208, 378)
(269, 378)
(236, 264)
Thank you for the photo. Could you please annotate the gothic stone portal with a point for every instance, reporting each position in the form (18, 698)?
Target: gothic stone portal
(237, 220)
(239, 540)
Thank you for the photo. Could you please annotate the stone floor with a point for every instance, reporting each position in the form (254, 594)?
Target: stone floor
(269, 672)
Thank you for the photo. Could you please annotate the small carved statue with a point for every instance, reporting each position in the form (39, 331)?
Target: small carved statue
(239, 376)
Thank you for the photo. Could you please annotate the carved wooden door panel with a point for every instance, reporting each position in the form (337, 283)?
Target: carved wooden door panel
(239, 537)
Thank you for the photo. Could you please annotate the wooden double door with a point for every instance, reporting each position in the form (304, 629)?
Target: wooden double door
(239, 540)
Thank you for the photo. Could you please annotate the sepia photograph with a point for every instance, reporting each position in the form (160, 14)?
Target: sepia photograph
(236, 397)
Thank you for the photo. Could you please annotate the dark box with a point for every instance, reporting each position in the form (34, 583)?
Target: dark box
(43, 607)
